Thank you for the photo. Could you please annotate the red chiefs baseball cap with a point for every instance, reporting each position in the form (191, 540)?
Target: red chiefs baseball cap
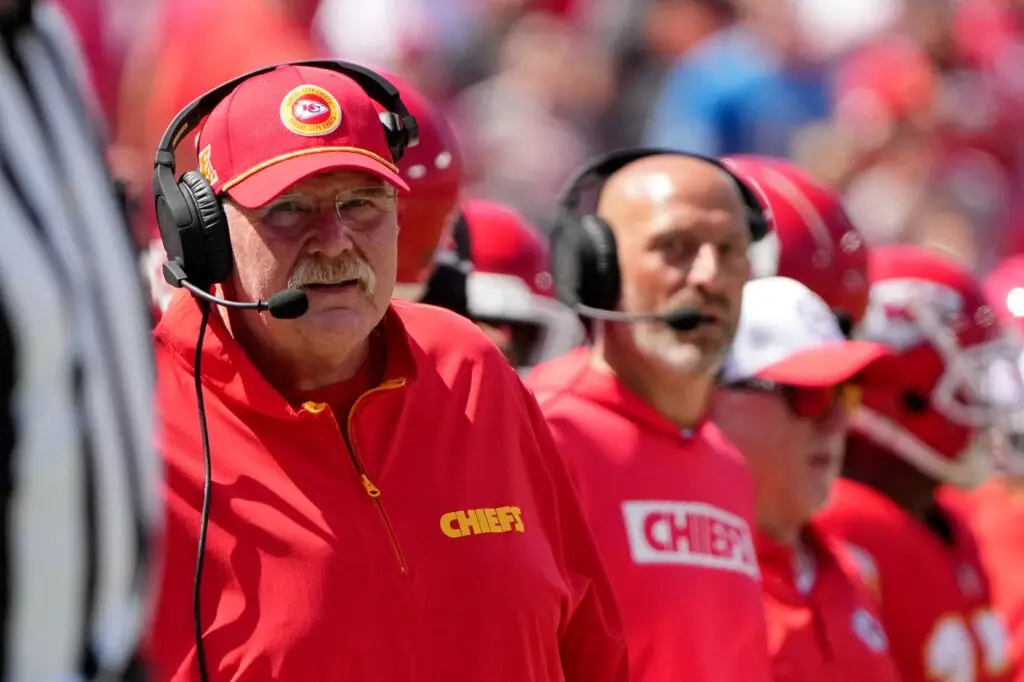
(285, 125)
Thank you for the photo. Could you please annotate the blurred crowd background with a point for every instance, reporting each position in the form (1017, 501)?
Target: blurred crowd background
(913, 109)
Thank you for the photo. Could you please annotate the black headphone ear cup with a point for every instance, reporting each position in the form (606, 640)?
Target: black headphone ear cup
(213, 226)
(172, 212)
(396, 134)
(412, 131)
(565, 260)
(192, 223)
(598, 263)
(759, 220)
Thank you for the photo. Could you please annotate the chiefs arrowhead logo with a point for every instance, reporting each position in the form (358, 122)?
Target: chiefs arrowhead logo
(311, 111)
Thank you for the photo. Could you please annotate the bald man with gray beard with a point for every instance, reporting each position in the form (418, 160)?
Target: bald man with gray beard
(670, 499)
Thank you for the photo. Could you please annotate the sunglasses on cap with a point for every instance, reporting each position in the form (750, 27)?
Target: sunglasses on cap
(806, 402)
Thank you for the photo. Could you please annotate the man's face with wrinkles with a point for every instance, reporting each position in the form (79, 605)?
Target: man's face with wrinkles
(682, 235)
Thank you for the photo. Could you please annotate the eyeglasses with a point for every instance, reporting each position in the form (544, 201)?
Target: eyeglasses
(803, 401)
(359, 208)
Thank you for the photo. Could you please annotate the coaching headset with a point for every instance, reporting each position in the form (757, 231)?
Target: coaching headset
(193, 227)
(194, 230)
(584, 256)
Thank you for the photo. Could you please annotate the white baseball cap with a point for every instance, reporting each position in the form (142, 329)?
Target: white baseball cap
(788, 335)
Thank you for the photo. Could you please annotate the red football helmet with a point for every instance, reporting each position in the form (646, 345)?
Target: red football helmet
(813, 242)
(511, 289)
(433, 169)
(953, 368)
(1005, 289)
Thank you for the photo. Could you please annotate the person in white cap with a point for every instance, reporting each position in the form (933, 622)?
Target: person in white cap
(784, 397)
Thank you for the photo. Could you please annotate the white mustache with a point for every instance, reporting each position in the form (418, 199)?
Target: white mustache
(333, 271)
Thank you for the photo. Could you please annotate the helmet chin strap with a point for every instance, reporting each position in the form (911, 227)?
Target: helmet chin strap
(968, 471)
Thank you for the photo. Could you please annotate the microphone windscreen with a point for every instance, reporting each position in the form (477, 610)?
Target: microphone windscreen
(288, 304)
(683, 319)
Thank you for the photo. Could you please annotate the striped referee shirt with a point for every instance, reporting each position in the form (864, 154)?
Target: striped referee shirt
(78, 470)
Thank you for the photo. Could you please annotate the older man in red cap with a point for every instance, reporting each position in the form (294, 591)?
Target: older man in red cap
(387, 502)
(786, 391)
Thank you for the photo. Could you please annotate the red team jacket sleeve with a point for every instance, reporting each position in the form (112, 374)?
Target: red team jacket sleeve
(592, 642)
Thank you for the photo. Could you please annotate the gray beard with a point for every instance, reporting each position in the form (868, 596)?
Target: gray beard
(659, 341)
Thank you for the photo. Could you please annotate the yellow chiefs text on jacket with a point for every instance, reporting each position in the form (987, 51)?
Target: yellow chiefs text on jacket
(458, 524)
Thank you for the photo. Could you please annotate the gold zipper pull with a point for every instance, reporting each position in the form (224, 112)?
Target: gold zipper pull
(371, 489)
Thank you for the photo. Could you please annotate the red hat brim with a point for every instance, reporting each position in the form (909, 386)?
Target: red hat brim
(826, 365)
(260, 187)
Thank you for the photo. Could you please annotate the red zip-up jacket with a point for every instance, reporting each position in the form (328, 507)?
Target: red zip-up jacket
(435, 537)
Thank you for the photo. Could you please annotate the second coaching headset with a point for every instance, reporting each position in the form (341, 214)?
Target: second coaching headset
(658, 269)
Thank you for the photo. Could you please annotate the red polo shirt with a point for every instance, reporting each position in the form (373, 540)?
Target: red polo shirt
(822, 619)
(935, 599)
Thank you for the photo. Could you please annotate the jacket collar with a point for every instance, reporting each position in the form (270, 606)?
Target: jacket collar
(780, 561)
(228, 371)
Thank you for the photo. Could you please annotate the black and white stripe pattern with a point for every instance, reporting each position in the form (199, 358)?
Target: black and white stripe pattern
(77, 412)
